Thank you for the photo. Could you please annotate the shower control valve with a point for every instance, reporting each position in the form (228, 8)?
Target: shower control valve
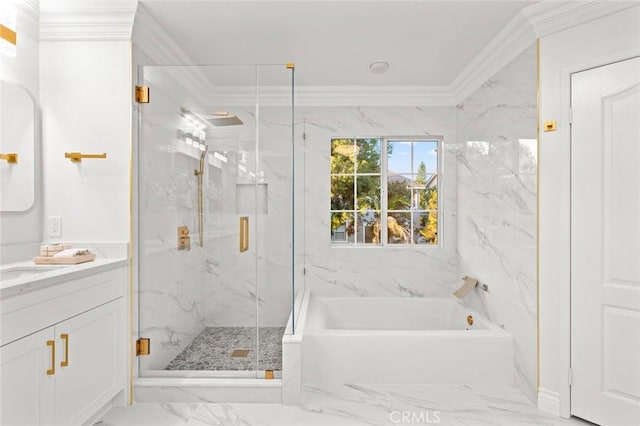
(184, 240)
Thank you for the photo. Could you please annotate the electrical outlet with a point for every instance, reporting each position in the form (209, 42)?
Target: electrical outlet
(55, 226)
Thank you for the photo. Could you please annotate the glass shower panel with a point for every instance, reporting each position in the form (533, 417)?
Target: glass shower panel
(215, 156)
(197, 285)
(275, 218)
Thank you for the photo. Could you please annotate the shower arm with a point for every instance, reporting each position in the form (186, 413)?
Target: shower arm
(199, 174)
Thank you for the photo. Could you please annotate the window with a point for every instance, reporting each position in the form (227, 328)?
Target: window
(392, 181)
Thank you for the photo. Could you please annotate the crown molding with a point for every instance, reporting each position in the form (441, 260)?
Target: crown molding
(374, 96)
(510, 42)
(158, 47)
(550, 17)
(87, 20)
(333, 96)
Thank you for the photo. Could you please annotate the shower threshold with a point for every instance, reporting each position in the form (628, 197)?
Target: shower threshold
(203, 389)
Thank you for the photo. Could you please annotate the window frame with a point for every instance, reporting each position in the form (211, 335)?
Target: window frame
(384, 175)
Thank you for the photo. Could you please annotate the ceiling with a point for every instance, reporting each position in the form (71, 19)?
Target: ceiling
(332, 43)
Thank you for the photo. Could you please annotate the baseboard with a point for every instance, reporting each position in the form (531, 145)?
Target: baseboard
(549, 401)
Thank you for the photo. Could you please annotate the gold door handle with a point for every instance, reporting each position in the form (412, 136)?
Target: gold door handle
(52, 370)
(244, 233)
(65, 362)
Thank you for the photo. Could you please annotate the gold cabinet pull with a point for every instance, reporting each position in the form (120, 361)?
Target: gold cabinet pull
(52, 370)
(244, 233)
(65, 361)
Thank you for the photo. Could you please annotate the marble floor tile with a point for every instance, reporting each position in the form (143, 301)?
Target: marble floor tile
(212, 349)
(356, 405)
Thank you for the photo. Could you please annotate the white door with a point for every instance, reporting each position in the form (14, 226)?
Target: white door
(605, 244)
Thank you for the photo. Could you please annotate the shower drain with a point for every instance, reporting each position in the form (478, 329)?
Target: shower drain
(240, 353)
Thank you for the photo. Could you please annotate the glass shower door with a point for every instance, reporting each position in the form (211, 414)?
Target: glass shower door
(197, 265)
(214, 218)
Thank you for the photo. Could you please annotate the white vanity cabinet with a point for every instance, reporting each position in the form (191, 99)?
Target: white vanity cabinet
(27, 393)
(63, 350)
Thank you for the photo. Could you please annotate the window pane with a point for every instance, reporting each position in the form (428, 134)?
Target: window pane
(419, 198)
(426, 228)
(423, 191)
(342, 228)
(369, 227)
(342, 156)
(368, 193)
(342, 193)
(398, 228)
(399, 157)
(399, 192)
(425, 157)
(432, 198)
(368, 155)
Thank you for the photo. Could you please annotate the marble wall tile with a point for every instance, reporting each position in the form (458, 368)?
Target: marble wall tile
(371, 271)
(496, 192)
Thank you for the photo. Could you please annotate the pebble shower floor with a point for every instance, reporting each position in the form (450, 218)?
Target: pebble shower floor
(212, 349)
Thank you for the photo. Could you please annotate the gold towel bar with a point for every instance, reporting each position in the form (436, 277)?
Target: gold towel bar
(76, 157)
(12, 158)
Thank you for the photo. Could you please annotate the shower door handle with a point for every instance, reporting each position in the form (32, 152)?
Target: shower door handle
(244, 233)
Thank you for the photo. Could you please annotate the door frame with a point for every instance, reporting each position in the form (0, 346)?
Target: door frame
(564, 239)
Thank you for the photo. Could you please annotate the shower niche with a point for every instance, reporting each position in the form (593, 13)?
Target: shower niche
(216, 153)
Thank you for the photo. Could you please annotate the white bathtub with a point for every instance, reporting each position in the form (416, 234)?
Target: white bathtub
(399, 340)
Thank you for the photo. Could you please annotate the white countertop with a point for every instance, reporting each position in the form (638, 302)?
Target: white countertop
(35, 279)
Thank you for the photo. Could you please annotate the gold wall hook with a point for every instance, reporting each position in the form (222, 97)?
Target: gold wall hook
(12, 158)
(77, 157)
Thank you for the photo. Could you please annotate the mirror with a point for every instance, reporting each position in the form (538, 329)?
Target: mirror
(18, 133)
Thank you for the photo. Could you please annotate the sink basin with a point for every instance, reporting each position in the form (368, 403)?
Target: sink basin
(25, 271)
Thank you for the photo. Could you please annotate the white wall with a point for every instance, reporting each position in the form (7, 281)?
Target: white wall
(86, 107)
(22, 229)
(604, 40)
(497, 165)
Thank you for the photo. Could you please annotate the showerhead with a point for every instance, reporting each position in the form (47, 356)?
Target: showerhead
(220, 119)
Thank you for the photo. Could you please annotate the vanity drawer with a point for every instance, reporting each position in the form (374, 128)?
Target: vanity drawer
(26, 313)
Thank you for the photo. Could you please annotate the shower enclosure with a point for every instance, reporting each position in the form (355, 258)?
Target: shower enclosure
(219, 205)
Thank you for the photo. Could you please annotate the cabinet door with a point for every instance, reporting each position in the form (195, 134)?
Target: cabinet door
(26, 390)
(92, 350)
